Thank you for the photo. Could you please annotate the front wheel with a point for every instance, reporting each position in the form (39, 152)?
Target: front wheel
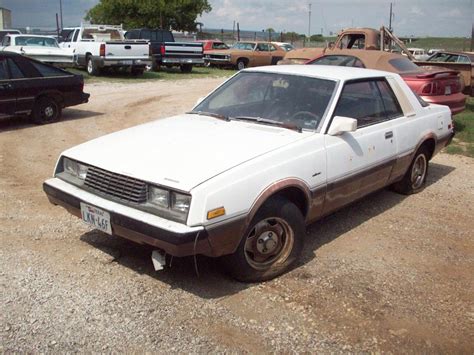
(46, 110)
(241, 64)
(271, 244)
(415, 178)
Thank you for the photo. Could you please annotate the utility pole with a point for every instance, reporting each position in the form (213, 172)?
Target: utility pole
(309, 21)
(61, 12)
(390, 20)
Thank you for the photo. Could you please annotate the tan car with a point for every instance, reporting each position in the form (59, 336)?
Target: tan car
(246, 54)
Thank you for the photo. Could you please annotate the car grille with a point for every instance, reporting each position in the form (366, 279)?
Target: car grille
(116, 185)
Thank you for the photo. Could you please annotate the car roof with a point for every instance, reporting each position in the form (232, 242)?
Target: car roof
(322, 71)
(28, 35)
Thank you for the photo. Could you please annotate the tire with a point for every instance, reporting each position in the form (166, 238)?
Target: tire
(241, 64)
(46, 110)
(186, 68)
(91, 67)
(271, 244)
(415, 178)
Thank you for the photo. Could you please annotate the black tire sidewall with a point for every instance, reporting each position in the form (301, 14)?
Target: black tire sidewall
(239, 64)
(237, 264)
(405, 186)
(40, 107)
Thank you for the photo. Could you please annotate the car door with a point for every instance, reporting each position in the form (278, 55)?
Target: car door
(276, 54)
(7, 93)
(262, 54)
(361, 162)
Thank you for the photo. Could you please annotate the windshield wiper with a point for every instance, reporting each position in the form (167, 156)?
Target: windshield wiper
(268, 121)
(212, 114)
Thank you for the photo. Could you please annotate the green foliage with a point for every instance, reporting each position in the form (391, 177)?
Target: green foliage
(463, 142)
(179, 15)
(316, 38)
(449, 44)
(293, 36)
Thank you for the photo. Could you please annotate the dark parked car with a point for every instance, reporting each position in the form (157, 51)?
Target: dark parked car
(30, 87)
(166, 51)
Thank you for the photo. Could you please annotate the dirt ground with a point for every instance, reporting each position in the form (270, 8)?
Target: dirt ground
(388, 274)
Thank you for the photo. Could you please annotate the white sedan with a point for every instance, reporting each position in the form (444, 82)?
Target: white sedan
(42, 48)
(266, 153)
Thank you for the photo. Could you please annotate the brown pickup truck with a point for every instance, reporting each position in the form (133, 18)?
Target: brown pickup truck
(246, 54)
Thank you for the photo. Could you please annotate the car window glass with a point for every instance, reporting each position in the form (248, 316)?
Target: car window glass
(339, 60)
(6, 41)
(146, 34)
(262, 47)
(15, 71)
(439, 57)
(452, 59)
(272, 48)
(362, 101)
(403, 65)
(47, 70)
(463, 59)
(352, 41)
(3, 70)
(69, 36)
(167, 36)
(76, 34)
(391, 105)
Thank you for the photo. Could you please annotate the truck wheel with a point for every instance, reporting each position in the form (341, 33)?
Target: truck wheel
(91, 67)
(415, 178)
(46, 110)
(241, 64)
(271, 244)
(186, 68)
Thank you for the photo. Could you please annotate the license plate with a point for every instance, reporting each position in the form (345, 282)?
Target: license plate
(447, 90)
(126, 62)
(96, 217)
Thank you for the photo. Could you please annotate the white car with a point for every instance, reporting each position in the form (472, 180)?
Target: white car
(42, 48)
(266, 153)
(419, 53)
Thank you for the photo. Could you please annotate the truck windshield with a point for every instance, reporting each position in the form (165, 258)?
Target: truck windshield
(287, 99)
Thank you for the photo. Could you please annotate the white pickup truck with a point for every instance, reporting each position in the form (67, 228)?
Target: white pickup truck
(265, 154)
(104, 46)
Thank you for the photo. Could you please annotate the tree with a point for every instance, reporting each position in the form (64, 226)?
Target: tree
(179, 15)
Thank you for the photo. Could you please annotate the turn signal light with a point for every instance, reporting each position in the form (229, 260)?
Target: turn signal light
(217, 212)
(162, 49)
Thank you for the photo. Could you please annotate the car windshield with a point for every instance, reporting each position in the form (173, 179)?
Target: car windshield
(36, 41)
(244, 45)
(271, 98)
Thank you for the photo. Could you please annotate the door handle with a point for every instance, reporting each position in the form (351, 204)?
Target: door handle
(388, 135)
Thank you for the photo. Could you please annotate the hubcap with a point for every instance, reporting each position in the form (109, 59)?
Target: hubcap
(269, 243)
(241, 65)
(48, 111)
(418, 171)
(89, 66)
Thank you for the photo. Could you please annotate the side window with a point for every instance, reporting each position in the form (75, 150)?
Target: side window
(262, 47)
(463, 59)
(352, 41)
(15, 71)
(3, 69)
(272, 48)
(46, 70)
(391, 105)
(6, 41)
(76, 34)
(362, 101)
(69, 36)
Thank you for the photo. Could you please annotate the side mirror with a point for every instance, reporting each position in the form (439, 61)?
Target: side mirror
(341, 124)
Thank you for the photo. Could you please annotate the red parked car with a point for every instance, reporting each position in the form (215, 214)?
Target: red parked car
(435, 85)
(212, 45)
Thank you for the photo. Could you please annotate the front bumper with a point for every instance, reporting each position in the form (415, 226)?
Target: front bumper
(218, 61)
(144, 228)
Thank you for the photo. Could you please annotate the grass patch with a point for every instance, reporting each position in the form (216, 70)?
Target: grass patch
(463, 142)
(164, 74)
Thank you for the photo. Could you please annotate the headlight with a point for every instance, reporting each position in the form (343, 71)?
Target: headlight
(75, 168)
(170, 204)
(180, 203)
(158, 197)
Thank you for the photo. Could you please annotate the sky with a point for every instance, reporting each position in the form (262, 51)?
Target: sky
(436, 18)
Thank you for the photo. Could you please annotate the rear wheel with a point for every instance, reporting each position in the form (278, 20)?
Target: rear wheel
(186, 68)
(270, 245)
(415, 178)
(46, 110)
(92, 68)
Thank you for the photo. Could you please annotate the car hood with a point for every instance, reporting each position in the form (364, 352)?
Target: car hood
(182, 151)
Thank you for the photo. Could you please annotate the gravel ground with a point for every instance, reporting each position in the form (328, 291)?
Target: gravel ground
(387, 274)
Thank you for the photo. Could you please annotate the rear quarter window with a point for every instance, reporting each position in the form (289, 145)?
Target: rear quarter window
(403, 65)
(48, 71)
